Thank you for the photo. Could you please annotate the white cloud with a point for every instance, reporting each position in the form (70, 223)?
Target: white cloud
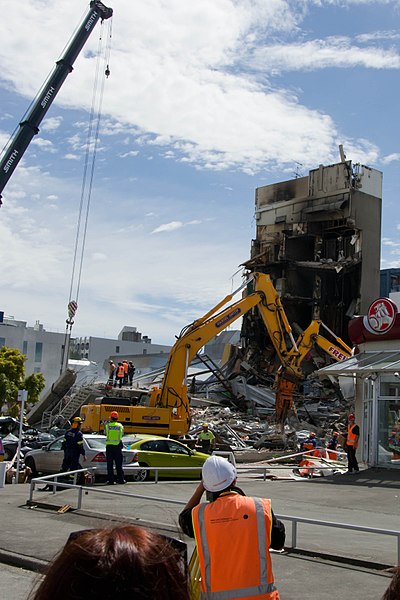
(172, 226)
(130, 153)
(337, 52)
(391, 158)
(51, 123)
(46, 145)
(70, 156)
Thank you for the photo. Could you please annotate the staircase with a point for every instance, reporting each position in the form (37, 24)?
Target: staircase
(69, 405)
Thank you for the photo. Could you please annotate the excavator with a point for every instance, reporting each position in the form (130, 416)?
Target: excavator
(167, 411)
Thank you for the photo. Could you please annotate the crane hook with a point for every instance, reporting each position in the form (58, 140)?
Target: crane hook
(107, 71)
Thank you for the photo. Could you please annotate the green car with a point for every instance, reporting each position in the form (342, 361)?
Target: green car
(156, 451)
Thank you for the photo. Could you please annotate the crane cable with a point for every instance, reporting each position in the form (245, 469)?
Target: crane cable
(103, 60)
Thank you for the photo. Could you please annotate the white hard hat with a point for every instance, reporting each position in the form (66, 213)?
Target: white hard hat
(218, 474)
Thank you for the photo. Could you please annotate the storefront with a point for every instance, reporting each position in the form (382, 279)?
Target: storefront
(375, 370)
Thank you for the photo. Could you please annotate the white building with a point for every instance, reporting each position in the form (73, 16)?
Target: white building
(128, 344)
(42, 348)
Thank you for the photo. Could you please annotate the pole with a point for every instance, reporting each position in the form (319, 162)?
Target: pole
(22, 397)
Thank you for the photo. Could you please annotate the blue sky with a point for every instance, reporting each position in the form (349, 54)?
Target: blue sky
(205, 102)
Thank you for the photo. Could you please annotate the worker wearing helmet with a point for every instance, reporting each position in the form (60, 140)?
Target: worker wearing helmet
(332, 445)
(114, 433)
(206, 438)
(73, 446)
(310, 443)
(353, 433)
(234, 534)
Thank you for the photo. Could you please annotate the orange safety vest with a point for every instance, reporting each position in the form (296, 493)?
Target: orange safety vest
(351, 437)
(233, 536)
(121, 371)
(126, 367)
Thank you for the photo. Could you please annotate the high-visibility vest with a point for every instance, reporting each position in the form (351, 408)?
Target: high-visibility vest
(233, 536)
(114, 432)
(126, 366)
(206, 435)
(121, 371)
(351, 437)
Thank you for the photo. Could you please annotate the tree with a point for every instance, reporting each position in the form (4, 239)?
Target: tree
(12, 379)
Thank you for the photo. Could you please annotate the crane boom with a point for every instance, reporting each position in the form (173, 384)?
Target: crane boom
(29, 126)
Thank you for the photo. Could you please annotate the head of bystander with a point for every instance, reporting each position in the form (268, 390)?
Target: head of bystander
(123, 561)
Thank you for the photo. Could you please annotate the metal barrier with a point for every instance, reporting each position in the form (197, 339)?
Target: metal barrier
(53, 481)
(376, 530)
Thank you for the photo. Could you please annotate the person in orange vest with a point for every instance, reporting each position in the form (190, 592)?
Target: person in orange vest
(233, 534)
(332, 445)
(120, 374)
(126, 368)
(353, 433)
(310, 443)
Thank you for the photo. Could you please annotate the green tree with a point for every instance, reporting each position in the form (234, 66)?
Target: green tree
(12, 379)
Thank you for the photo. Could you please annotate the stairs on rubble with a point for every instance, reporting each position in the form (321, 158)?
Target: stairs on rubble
(69, 405)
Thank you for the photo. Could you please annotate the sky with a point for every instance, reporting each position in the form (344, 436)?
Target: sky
(205, 102)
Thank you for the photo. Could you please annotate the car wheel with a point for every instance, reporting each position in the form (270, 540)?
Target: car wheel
(29, 462)
(141, 475)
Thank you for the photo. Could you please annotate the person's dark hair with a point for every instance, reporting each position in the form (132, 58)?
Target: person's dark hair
(123, 561)
(393, 591)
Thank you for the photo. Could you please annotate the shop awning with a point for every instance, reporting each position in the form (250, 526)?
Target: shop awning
(365, 364)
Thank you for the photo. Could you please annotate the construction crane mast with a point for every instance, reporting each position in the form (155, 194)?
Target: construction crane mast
(29, 126)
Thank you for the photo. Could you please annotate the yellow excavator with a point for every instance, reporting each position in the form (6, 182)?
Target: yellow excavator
(167, 411)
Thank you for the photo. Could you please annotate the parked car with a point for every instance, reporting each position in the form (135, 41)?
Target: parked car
(49, 459)
(156, 451)
(31, 437)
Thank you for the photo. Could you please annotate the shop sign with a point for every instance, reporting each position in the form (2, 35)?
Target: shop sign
(381, 316)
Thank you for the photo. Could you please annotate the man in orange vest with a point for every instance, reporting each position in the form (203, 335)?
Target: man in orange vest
(353, 433)
(233, 535)
(120, 374)
(126, 369)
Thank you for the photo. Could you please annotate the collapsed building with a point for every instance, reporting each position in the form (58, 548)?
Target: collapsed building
(318, 238)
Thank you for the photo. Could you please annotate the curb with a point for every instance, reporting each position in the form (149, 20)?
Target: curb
(22, 561)
(356, 562)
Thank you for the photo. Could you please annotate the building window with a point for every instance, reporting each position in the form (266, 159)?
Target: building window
(38, 351)
(25, 348)
(2, 342)
(117, 349)
(37, 370)
(145, 351)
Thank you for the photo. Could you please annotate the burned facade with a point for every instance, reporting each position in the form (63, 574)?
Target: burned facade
(318, 237)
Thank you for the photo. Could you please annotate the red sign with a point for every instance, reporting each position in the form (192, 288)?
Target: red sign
(381, 316)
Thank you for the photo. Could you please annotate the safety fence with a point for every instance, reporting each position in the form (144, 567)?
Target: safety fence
(54, 482)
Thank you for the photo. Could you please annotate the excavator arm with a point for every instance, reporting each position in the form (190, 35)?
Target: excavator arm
(261, 294)
(289, 375)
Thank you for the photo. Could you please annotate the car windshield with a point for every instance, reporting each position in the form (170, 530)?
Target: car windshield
(96, 443)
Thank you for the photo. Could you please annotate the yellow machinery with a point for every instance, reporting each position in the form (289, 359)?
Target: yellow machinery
(168, 411)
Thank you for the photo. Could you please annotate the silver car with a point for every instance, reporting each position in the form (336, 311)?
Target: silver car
(49, 458)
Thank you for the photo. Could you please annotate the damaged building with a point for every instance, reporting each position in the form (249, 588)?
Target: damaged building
(318, 237)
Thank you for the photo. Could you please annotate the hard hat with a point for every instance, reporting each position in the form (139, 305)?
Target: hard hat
(335, 433)
(217, 474)
(76, 420)
(351, 416)
(205, 425)
(114, 414)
